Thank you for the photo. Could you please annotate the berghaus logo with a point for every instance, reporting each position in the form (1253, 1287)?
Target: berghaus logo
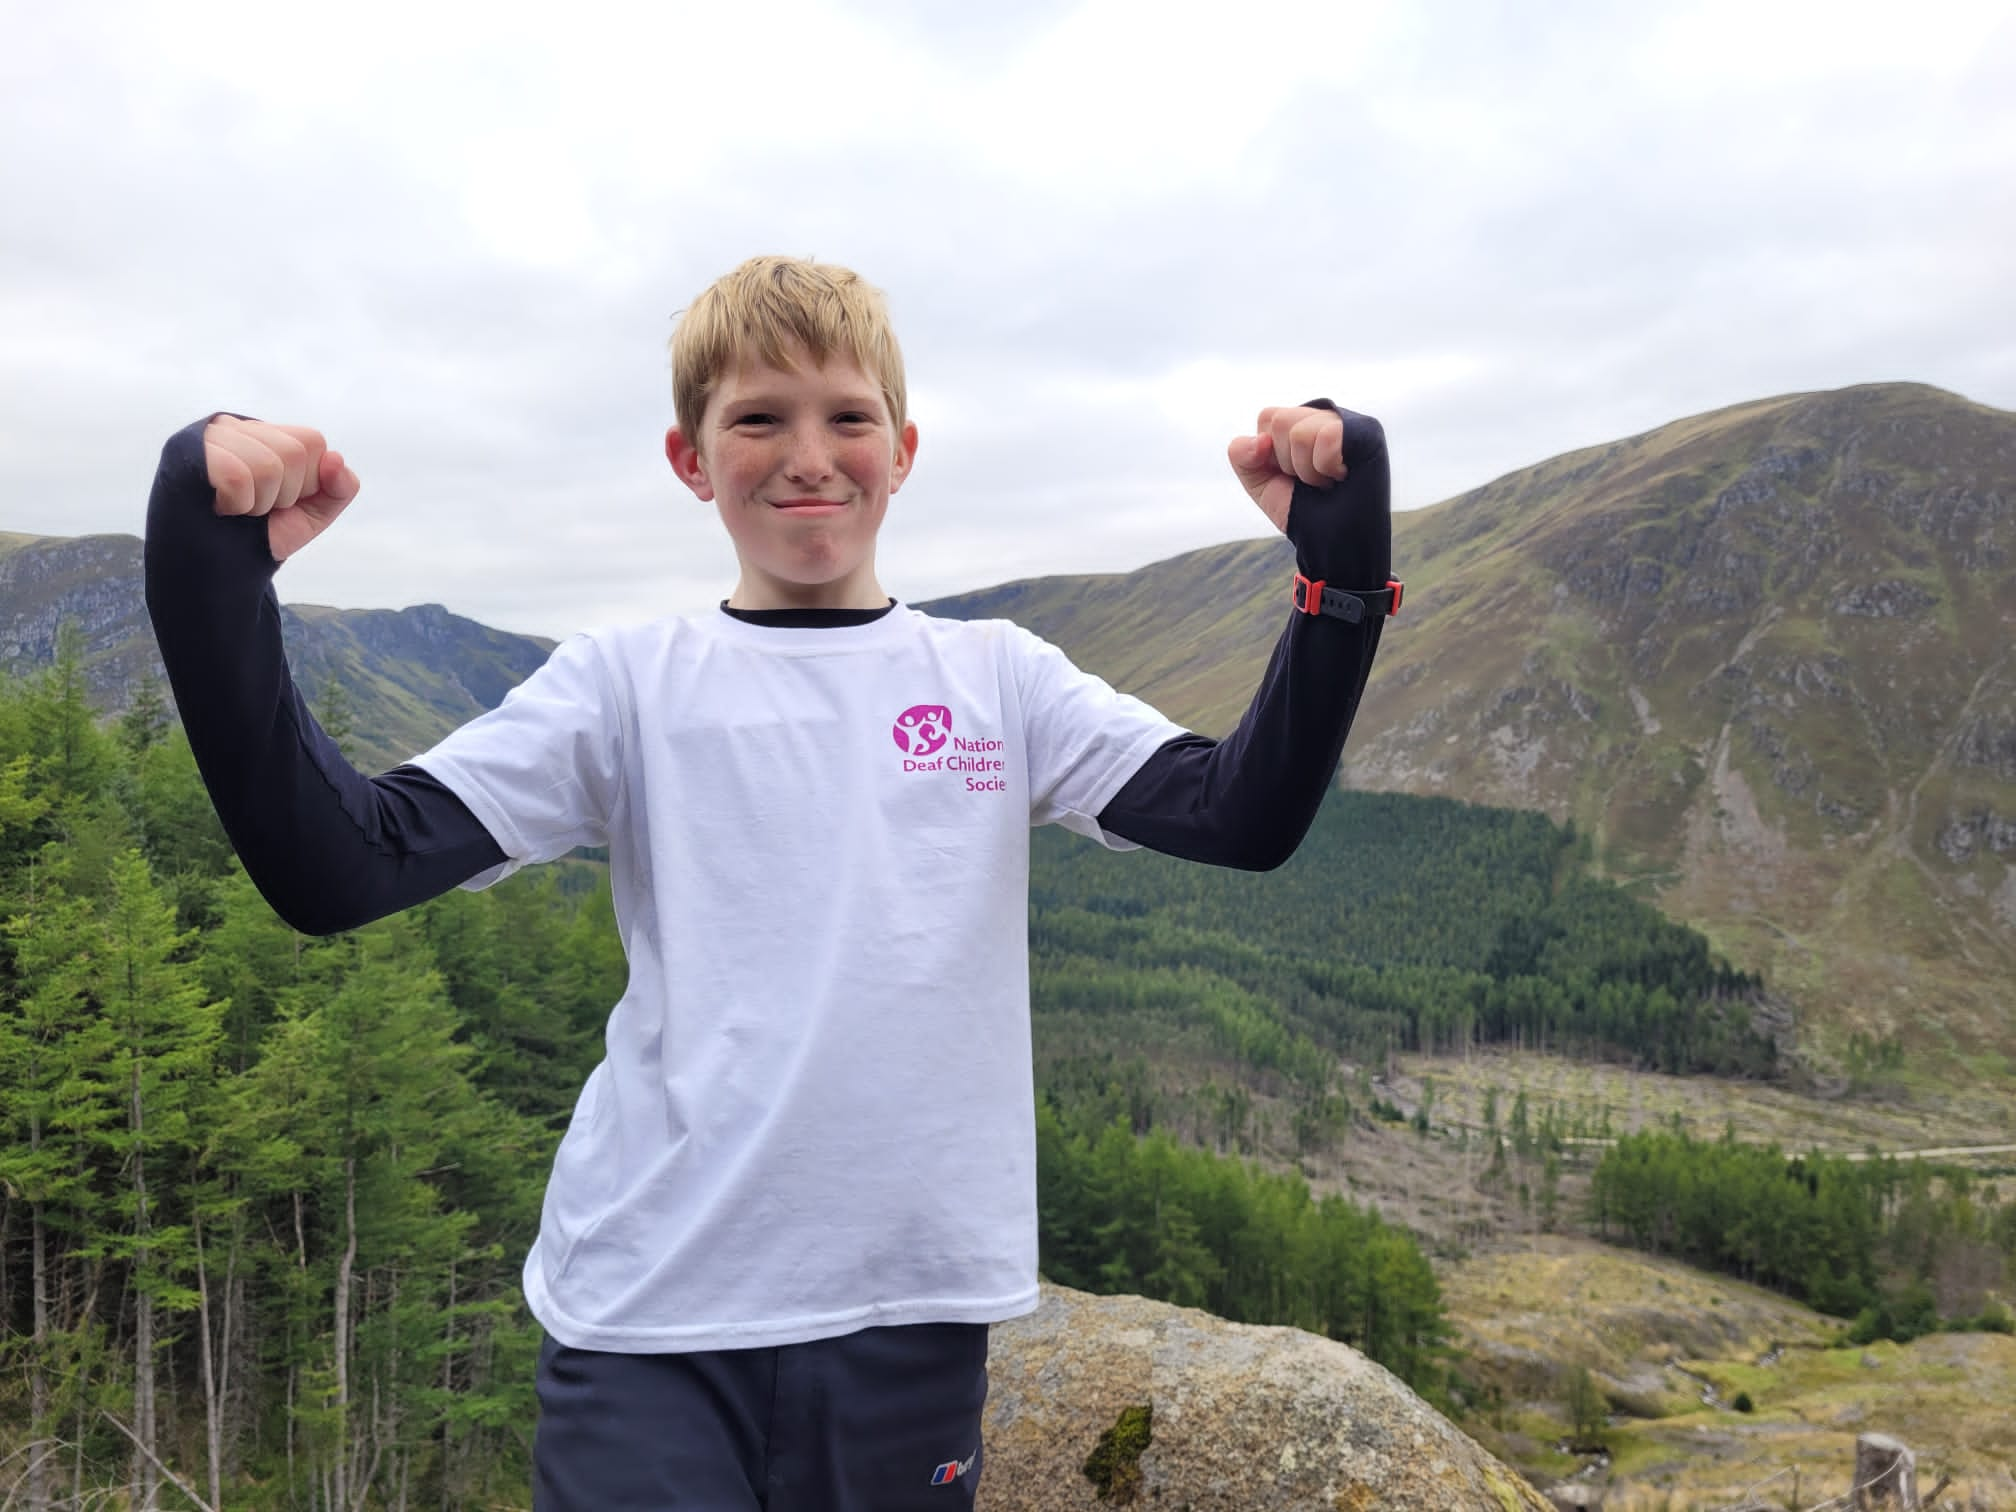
(951, 1470)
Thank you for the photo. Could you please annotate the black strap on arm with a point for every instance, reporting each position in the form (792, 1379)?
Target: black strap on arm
(1314, 596)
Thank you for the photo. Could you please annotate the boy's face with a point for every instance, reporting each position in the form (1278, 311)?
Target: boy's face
(801, 463)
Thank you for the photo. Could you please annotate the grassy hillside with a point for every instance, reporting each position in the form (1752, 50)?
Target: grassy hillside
(410, 675)
(1765, 658)
(1670, 1349)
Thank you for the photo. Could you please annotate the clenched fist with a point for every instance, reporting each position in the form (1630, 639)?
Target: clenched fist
(285, 472)
(1292, 443)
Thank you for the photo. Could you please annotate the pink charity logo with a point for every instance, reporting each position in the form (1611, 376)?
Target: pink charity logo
(922, 729)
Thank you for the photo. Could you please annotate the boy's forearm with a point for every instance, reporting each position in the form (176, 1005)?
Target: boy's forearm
(1248, 800)
(329, 847)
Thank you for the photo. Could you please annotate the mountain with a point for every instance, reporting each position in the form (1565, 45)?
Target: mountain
(408, 675)
(1765, 658)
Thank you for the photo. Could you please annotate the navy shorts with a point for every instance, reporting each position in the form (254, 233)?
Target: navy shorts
(883, 1420)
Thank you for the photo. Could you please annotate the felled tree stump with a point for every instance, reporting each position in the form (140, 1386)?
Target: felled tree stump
(1886, 1474)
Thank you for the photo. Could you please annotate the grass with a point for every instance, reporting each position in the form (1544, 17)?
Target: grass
(1627, 1315)
(1527, 1308)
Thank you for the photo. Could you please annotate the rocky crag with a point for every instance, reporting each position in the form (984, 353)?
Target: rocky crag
(408, 675)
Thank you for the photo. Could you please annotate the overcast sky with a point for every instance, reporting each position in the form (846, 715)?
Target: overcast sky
(456, 238)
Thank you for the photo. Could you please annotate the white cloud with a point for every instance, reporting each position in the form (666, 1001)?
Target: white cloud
(455, 236)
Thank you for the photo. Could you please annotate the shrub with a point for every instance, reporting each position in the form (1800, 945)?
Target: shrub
(1588, 1410)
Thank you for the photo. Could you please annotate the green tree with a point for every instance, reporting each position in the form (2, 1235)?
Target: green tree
(72, 756)
(1588, 1411)
(337, 715)
(47, 1115)
(164, 1040)
(360, 1117)
(146, 718)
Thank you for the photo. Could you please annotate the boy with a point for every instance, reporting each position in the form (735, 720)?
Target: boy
(801, 1183)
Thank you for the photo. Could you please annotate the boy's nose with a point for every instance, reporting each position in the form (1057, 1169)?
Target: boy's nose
(810, 459)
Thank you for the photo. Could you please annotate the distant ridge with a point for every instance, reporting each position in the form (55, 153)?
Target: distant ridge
(1764, 658)
(410, 674)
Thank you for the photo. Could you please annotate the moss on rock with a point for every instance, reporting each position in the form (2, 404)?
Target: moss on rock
(1114, 1467)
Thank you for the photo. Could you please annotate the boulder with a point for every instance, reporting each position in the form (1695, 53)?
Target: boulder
(1170, 1408)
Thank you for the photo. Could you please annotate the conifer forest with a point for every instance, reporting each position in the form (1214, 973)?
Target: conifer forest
(264, 1198)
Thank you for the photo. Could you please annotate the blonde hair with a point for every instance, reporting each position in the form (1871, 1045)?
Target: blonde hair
(769, 310)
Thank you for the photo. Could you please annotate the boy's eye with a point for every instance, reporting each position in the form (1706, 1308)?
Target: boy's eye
(855, 417)
(757, 418)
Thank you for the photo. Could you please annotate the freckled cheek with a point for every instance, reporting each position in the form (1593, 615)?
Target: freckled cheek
(746, 479)
(868, 465)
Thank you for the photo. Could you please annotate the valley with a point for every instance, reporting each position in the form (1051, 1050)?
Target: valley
(1532, 1298)
(1741, 698)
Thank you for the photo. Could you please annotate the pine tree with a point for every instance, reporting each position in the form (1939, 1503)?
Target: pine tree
(44, 1049)
(146, 718)
(177, 823)
(338, 716)
(165, 1032)
(363, 1089)
(72, 757)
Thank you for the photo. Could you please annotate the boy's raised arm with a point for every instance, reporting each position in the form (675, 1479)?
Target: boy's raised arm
(328, 847)
(1248, 800)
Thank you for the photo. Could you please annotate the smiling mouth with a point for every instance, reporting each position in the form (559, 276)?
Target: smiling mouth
(809, 506)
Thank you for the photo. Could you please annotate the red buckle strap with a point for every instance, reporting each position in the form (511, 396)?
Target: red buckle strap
(1315, 596)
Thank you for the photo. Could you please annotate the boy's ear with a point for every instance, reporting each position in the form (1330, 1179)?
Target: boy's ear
(688, 463)
(906, 456)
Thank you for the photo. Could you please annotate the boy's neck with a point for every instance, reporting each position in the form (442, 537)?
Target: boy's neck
(759, 591)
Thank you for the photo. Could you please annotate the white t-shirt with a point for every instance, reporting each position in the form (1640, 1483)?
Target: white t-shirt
(816, 1110)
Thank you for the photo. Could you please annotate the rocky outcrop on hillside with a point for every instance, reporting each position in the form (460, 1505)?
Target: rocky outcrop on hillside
(91, 580)
(410, 675)
(1960, 839)
(1100, 1402)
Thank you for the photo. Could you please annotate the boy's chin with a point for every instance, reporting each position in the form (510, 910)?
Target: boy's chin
(797, 581)
(819, 575)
